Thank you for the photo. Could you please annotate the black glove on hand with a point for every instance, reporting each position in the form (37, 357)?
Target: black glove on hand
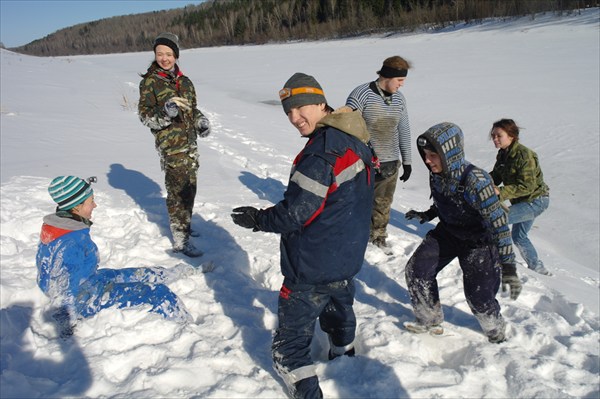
(510, 278)
(171, 109)
(246, 216)
(422, 216)
(407, 169)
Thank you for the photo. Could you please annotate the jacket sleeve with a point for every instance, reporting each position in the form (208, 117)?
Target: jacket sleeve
(481, 196)
(523, 177)
(150, 111)
(404, 136)
(304, 198)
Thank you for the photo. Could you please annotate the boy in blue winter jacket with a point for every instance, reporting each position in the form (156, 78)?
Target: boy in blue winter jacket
(473, 228)
(67, 261)
(324, 225)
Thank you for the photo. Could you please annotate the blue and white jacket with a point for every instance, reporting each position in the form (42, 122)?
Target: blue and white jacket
(325, 215)
(471, 212)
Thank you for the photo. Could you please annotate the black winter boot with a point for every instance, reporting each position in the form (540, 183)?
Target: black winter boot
(307, 388)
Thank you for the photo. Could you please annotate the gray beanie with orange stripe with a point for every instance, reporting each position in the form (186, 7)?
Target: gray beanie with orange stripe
(299, 90)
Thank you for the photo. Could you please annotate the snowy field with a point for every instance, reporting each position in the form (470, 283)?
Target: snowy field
(77, 115)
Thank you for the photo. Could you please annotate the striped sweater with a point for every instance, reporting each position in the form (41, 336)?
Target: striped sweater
(388, 124)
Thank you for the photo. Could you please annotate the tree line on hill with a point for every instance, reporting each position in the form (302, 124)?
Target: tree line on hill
(238, 22)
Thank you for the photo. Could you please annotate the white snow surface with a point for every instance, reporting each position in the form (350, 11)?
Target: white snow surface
(77, 115)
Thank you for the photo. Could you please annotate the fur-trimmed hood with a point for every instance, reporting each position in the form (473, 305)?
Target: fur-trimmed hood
(348, 121)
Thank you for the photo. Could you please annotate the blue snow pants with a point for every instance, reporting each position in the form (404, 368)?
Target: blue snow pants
(130, 287)
(481, 269)
(300, 305)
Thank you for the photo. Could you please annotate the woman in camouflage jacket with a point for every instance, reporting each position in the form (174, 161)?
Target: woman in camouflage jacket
(518, 170)
(168, 107)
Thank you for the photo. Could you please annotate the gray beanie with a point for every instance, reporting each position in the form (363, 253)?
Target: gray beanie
(299, 90)
(168, 39)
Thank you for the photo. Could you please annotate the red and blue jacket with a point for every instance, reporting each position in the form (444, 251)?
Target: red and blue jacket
(325, 215)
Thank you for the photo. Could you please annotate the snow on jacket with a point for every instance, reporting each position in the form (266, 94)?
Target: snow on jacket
(172, 136)
(387, 123)
(472, 213)
(325, 215)
(518, 169)
(66, 259)
(68, 273)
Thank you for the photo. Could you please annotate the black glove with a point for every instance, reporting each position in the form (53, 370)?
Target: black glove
(422, 216)
(407, 169)
(171, 109)
(246, 216)
(510, 278)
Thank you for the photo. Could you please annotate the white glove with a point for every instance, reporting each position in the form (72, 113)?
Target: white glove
(181, 103)
(203, 125)
(171, 109)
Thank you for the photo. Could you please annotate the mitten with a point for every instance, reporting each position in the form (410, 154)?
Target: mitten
(510, 278)
(421, 216)
(246, 216)
(171, 109)
(203, 126)
(407, 169)
(181, 103)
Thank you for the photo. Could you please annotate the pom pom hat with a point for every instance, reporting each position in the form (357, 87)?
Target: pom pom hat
(168, 39)
(299, 90)
(69, 191)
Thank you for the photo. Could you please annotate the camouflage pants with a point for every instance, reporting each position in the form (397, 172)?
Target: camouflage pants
(382, 204)
(181, 182)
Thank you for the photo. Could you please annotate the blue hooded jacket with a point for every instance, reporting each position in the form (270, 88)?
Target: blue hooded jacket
(68, 273)
(471, 212)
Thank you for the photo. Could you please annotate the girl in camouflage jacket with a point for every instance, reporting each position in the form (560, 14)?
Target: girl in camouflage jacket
(518, 170)
(168, 107)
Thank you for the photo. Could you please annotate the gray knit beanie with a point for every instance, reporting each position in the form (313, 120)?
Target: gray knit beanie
(168, 39)
(299, 90)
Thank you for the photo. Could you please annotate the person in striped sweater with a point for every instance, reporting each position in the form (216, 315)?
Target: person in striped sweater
(383, 107)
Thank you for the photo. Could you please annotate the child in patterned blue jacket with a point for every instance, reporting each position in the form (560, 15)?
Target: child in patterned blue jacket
(473, 228)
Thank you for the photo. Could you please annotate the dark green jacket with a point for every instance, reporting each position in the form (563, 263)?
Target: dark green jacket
(518, 169)
(172, 136)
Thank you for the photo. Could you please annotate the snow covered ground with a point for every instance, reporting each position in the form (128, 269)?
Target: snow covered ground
(77, 115)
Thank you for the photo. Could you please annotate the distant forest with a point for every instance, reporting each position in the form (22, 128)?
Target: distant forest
(237, 22)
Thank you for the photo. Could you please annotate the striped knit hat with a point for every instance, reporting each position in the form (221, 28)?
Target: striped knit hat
(69, 191)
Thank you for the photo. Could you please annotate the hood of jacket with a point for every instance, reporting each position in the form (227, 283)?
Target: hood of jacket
(348, 121)
(55, 226)
(448, 141)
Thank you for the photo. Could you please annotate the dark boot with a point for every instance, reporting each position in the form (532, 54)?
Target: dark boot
(307, 388)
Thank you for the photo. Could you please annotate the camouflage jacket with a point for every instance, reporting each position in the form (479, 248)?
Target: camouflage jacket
(518, 169)
(172, 136)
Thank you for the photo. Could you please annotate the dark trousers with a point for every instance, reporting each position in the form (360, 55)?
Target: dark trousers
(385, 187)
(481, 278)
(300, 305)
(181, 183)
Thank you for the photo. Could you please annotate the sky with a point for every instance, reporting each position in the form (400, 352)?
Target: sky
(23, 21)
(77, 115)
